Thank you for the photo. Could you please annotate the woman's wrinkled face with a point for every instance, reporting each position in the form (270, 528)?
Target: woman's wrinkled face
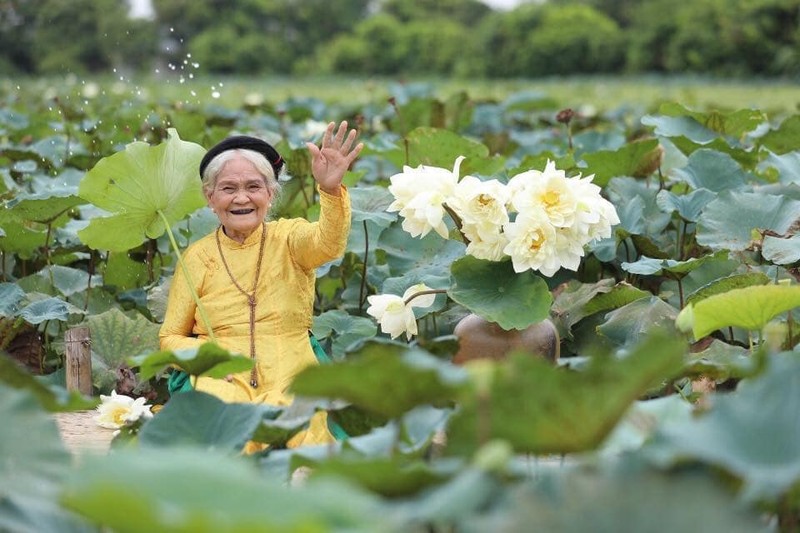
(240, 198)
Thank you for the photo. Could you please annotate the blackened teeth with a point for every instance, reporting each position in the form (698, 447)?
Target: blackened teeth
(242, 211)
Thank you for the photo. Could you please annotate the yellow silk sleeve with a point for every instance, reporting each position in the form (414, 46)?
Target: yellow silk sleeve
(314, 244)
(178, 330)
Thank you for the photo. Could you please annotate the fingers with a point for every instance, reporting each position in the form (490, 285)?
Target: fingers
(341, 132)
(326, 138)
(354, 153)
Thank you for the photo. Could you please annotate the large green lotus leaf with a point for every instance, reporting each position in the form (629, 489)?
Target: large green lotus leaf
(576, 301)
(632, 217)
(632, 322)
(721, 285)
(620, 295)
(636, 159)
(542, 409)
(34, 466)
(569, 305)
(207, 360)
(190, 490)
(458, 501)
(728, 222)
(199, 419)
(619, 496)
(721, 361)
(733, 124)
(43, 207)
(589, 141)
(440, 148)
(623, 192)
(10, 296)
(115, 336)
(641, 420)
(48, 309)
(781, 251)
(14, 120)
(48, 151)
(784, 139)
(370, 203)
(750, 308)
(785, 168)
(429, 256)
(123, 272)
(67, 280)
(52, 398)
(392, 477)
(348, 329)
(135, 185)
(495, 292)
(17, 238)
(688, 206)
(746, 157)
(752, 433)
(688, 127)
(712, 170)
(648, 266)
(384, 378)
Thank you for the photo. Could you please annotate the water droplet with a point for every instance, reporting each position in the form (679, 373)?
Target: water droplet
(215, 94)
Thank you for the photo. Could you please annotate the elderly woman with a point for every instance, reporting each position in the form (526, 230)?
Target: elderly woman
(255, 279)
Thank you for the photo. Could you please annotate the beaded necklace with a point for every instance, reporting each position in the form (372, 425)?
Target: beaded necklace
(251, 297)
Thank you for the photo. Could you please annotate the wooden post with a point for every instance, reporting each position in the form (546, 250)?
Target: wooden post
(79, 360)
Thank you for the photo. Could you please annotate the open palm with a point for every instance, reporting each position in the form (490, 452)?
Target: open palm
(331, 160)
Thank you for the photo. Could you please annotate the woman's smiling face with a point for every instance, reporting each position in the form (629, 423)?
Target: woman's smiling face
(240, 198)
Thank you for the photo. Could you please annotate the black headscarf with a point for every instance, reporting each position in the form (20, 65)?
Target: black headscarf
(248, 143)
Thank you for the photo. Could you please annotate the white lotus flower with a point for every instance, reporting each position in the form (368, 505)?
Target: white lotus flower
(118, 410)
(595, 214)
(550, 190)
(394, 315)
(532, 243)
(480, 202)
(485, 241)
(419, 197)
(425, 212)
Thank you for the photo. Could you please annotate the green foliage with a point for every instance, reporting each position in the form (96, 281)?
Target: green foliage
(137, 186)
(464, 38)
(707, 241)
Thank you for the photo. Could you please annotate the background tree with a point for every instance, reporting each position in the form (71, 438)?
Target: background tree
(16, 35)
(466, 12)
(275, 35)
(88, 36)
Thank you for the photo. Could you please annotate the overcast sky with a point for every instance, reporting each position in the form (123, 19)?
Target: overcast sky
(143, 8)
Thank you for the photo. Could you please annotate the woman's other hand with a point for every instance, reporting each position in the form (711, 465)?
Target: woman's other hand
(330, 161)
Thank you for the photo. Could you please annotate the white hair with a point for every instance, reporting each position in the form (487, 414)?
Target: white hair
(259, 161)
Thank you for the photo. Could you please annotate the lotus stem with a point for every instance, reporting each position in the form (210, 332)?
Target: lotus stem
(188, 278)
(361, 297)
(422, 293)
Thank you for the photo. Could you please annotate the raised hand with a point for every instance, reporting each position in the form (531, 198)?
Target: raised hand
(330, 161)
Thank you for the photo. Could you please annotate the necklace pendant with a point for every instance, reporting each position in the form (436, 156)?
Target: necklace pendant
(254, 382)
